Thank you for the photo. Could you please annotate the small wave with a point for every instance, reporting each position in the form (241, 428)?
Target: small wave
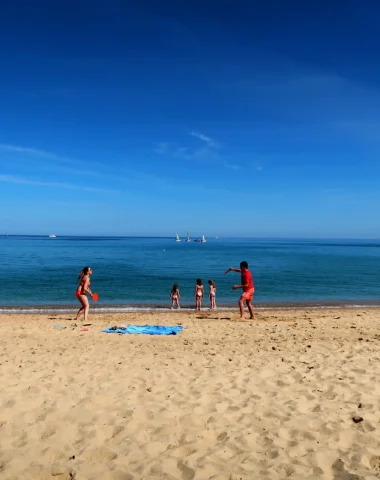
(52, 309)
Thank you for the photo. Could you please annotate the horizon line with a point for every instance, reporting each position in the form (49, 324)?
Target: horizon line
(195, 236)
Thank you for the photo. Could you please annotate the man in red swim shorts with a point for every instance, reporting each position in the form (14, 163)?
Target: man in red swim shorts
(246, 285)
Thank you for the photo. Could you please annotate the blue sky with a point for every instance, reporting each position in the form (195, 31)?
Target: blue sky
(234, 118)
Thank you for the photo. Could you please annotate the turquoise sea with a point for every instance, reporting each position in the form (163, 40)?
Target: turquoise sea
(137, 273)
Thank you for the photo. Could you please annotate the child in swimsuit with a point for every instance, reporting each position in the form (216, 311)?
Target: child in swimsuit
(174, 295)
(198, 294)
(212, 294)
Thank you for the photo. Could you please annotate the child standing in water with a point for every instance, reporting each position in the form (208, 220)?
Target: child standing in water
(212, 294)
(198, 294)
(175, 296)
(247, 287)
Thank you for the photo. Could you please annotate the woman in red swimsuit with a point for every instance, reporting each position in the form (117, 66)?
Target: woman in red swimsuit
(82, 290)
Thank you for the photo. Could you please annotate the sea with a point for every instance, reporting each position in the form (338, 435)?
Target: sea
(38, 273)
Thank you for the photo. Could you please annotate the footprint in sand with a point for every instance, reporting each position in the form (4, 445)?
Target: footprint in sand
(107, 433)
(340, 473)
(116, 475)
(187, 472)
(48, 432)
(375, 463)
(100, 454)
(183, 452)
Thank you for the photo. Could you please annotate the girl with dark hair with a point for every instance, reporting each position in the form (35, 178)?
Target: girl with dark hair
(198, 294)
(82, 290)
(175, 296)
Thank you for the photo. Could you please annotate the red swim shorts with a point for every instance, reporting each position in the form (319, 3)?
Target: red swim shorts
(248, 294)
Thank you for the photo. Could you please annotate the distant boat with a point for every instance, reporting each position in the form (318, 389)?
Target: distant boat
(177, 239)
(5, 234)
(200, 240)
(52, 236)
(187, 237)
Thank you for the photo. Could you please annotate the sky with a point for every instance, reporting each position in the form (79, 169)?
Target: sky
(234, 118)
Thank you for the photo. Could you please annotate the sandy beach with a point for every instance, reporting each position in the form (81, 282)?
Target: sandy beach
(271, 398)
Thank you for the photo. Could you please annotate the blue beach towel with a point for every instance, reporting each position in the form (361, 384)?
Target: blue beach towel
(146, 329)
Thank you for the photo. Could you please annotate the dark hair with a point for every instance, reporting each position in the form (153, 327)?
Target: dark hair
(211, 282)
(83, 272)
(199, 281)
(174, 288)
(244, 264)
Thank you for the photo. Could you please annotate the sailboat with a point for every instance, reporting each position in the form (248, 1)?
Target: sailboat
(202, 240)
(177, 239)
(187, 237)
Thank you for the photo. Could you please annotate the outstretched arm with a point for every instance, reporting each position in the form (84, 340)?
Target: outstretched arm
(233, 270)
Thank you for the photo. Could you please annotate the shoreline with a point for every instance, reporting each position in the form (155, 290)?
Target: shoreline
(164, 308)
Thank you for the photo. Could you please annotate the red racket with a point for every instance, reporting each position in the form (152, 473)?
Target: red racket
(95, 297)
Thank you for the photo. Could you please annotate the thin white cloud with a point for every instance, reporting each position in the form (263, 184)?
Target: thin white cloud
(207, 150)
(201, 137)
(44, 155)
(29, 151)
(313, 98)
(183, 153)
(79, 167)
(231, 166)
(40, 183)
(161, 148)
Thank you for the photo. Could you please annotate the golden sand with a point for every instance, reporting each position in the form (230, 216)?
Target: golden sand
(272, 398)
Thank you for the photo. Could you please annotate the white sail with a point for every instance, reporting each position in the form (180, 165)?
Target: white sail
(177, 239)
(187, 237)
(203, 239)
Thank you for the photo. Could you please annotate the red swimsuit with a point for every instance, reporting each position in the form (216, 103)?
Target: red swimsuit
(80, 289)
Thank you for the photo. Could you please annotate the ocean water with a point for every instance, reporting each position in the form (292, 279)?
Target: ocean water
(138, 273)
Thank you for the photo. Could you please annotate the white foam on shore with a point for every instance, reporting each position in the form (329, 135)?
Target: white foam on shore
(51, 309)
